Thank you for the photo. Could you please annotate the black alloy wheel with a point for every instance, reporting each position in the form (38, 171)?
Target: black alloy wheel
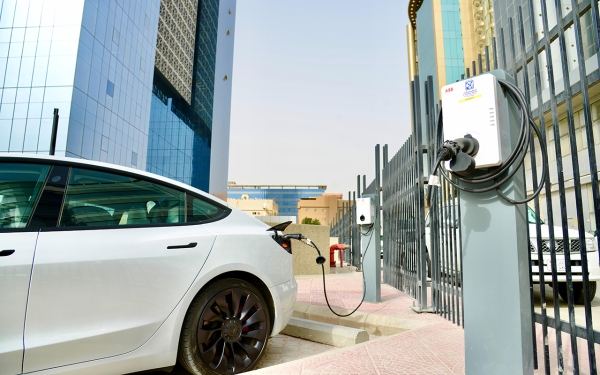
(225, 330)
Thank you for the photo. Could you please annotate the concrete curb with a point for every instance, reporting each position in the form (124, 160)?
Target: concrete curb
(374, 324)
(325, 333)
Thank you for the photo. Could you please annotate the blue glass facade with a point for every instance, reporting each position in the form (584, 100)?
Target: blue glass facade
(94, 60)
(180, 134)
(91, 60)
(453, 42)
(286, 198)
(431, 36)
(426, 52)
(175, 150)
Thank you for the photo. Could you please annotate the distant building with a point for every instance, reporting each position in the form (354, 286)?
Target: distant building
(286, 196)
(323, 208)
(255, 207)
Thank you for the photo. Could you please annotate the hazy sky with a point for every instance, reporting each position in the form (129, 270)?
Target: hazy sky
(316, 85)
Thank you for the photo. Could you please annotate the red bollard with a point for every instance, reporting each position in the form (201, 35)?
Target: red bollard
(334, 247)
(331, 257)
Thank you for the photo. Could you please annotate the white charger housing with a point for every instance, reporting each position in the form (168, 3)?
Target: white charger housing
(478, 106)
(365, 211)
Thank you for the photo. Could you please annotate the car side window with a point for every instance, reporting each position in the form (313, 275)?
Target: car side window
(200, 210)
(20, 186)
(96, 198)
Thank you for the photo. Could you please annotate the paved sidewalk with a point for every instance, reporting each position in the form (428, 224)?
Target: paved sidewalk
(282, 348)
(431, 345)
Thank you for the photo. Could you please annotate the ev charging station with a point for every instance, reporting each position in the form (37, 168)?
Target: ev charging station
(367, 217)
(497, 306)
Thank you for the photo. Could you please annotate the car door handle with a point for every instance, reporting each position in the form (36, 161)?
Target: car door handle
(188, 246)
(5, 253)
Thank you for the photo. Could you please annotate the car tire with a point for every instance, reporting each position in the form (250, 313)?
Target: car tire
(578, 292)
(225, 330)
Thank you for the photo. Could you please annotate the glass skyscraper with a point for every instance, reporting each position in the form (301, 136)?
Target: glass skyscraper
(139, 83)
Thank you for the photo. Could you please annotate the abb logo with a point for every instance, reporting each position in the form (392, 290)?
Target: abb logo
(449, 89)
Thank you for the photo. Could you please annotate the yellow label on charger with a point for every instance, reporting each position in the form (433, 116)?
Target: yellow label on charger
(470, 98)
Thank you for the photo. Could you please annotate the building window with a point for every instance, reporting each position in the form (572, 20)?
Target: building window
(134, 158)
(110, 88)
(308, 210)
(324, 210)
(116, 35)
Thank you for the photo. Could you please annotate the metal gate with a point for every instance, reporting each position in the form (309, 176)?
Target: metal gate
(421, 245)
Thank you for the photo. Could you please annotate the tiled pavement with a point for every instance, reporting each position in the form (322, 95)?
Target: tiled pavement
(433, 345)
(283, 348)
(436, 347)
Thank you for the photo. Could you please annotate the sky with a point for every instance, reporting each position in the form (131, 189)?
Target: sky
(316, 85)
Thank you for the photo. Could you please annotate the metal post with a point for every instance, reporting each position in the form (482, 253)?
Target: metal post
(371, 250)
(377, 170)
(54, 131)
(497, 315)
(349, 238)
(354, 242)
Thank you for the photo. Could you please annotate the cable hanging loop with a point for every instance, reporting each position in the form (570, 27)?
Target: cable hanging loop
(503, 173)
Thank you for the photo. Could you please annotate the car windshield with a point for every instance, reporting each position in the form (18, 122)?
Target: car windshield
(531, 216)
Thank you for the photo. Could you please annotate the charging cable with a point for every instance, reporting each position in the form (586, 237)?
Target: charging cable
(321, 260)
(450, 149)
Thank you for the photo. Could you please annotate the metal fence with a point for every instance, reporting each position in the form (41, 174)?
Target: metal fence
(564, 257)
(422, 246)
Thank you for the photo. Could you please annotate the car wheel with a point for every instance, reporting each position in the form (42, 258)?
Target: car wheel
(225, 330)
(578, 292)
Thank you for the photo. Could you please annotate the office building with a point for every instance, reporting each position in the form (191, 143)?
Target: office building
(140, 83)
(255, 207)
(286, 196)
(444, 37)
(324, 208)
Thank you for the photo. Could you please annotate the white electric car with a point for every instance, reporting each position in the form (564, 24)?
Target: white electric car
(590, 247)
(110, 270)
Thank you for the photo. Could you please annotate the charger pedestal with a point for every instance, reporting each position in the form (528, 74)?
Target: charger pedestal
(495, 267)
(371, 254)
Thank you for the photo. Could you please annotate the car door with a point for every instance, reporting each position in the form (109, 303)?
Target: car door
(20, 185)
(111, 272)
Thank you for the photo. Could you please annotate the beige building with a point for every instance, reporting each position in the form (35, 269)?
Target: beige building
(255, 207)
(323, 208)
